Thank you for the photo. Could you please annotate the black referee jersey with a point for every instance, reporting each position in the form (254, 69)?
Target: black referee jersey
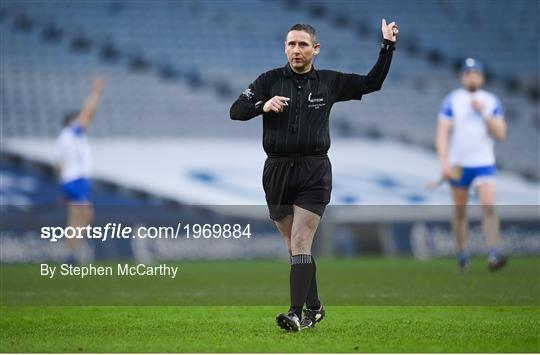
(303, 127)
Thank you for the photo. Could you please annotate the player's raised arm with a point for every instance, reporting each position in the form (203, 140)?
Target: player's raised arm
(91, 103)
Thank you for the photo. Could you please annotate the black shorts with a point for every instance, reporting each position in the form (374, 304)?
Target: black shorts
(303, 181)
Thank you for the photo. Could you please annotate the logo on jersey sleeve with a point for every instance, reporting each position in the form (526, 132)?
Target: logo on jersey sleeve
(248, 93)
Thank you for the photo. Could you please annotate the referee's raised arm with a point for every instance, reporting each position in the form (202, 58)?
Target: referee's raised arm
(377, 74)
(354, 86)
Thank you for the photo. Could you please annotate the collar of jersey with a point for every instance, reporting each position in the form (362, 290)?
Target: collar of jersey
(288, 72)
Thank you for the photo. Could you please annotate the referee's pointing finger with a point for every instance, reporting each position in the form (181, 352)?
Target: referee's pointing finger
(282, 100)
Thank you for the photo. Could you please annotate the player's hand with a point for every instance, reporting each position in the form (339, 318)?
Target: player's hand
(447, 172)
(276, 104)
(389, 31)
(477, 106)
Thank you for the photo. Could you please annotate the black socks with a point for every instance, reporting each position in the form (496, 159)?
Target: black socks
(312, 300)
(302, 272)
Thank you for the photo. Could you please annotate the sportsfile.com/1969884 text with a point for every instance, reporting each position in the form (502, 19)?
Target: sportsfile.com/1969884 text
(119, 231)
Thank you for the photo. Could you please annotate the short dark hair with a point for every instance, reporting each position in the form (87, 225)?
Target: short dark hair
(306, 28)
(68, 118)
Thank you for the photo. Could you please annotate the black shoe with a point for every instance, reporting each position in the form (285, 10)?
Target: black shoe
(312, 316)
(497, 263)
(288, 321)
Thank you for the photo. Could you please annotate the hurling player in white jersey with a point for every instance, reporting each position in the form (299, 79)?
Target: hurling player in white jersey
(73, 164)
(470, 121)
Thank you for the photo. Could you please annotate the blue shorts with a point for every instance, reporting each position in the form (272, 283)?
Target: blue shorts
(467, 176)
(77, 190)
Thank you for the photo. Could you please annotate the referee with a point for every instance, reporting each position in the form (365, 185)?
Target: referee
(295, 102)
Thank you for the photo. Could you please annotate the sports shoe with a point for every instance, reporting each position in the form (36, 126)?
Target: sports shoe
(497, 262)
(288, 321)
(312, 316)
(464, 264)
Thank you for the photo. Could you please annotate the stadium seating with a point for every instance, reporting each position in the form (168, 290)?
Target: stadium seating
(174, 67)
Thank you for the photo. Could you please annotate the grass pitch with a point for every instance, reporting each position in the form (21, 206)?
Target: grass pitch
(373, 305)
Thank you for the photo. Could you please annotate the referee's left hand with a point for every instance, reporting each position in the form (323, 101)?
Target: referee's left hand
(389, 31)
(275, 104)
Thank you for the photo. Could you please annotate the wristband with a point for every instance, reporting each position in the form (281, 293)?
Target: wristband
(388, 45)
